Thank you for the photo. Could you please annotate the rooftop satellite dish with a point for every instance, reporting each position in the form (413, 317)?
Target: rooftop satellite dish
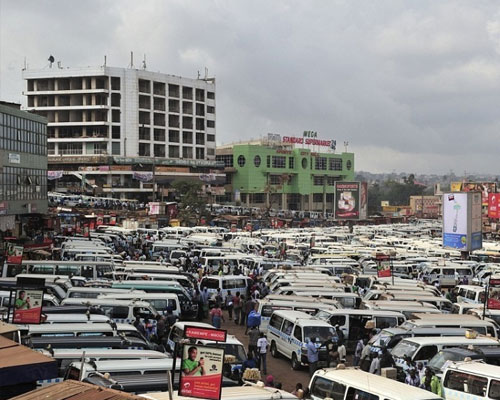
(51, 60)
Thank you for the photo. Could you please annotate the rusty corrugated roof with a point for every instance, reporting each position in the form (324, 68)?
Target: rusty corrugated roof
(75, 390)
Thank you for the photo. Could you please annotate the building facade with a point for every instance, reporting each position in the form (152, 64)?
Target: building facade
(426, 206)
(23, 166)
(124, 132)
(281, 176)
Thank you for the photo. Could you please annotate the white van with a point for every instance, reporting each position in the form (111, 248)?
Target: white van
(446, 276)
(352, 322)
(470, 294)
(160, 301)
(471, 380)
(93, 292)
(79, 329)
(422, 349)
(123, 311)
(234, 283)
(268, 306)
(351, 384)
(289, 332)
(422, 320)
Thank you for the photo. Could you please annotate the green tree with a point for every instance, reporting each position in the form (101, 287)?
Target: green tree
(191, 202)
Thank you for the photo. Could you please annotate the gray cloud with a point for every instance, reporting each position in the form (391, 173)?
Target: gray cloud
(411, 85)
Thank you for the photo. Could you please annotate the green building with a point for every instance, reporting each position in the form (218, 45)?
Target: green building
(281, 176)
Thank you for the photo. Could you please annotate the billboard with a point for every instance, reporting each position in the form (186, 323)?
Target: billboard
(201, 372)
(484, 187)
(384, 269)
(494, 293)
(494, 205)
(363, 201)
(14, 253)
(347, 200)
(462, 224)
(28, 306)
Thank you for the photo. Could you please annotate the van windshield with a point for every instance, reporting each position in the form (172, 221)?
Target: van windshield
(404, 348)
(320, 333)
(437, 362)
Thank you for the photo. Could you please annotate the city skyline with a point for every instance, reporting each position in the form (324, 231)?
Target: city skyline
(411, 86)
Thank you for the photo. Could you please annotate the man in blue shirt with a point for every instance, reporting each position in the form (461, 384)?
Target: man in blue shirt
(312, 356)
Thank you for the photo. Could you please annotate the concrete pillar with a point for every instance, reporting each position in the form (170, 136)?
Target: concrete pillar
(310, 203)
(284, 205)
(248, 199)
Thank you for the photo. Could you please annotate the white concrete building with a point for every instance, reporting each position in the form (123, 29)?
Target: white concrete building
(110, 122)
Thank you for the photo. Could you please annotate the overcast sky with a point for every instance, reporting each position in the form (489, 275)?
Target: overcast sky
(412, 85)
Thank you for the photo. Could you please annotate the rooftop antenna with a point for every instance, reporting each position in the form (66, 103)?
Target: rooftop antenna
(51, 60)
(105, 60)
(131, 60)
(144, 62)
(59, 65)
(198, 74)
(345, 146)
(206, 72)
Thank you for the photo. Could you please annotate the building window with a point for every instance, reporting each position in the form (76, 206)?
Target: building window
(241, 161)
(320, 163)
(279, 161)
(187, 137)
(227, 159)
(144, 133)
(173, 136)
(187, 152)
(210, 109)
(210, 138)
(173, 90)
(291, 162)
(210, 152)
(115, 148)
(275, 179)
(159, 135)
(200, 153)
(331, 180)
(159, 150)
(173, 151)
(318, 198)
(211, 95)
(318, 180)
(257, 161)
(115, 132)
(349, 165)
(268, 162)
(304, 163)
(144, 149)
(115, 83)
(187, 93)
(335, 164)
(200, 138)
(210, 124)
(200, 95)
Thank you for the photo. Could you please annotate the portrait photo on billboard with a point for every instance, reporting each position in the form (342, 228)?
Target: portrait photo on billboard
(201, 371)
(347, 200)
(28, 306)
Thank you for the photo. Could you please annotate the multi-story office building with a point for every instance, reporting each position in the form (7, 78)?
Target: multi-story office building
(280, 175)
(124, 131)
(23, 166)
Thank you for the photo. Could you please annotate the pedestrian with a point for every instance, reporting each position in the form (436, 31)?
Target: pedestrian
(229, 304)
(299, 390)
(412, 378)
(140, 326)
(250, 362)
(365, 360)
(237, 307)
(249, 306)
(218, 296)
(205, 297)
(375, 364)
(431, 382)
(312, 356)
(420, 371)
(262, 346)
(171, 319)
(340, 334)
(216, 316)
(243, 316)
(357, 352)
(161, 328)
(386, 361)
(269, 381)
(253, 337)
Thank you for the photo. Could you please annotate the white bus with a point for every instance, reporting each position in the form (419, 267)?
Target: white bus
(471, 380)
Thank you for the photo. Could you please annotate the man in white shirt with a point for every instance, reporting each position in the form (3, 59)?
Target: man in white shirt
(262, 345)
(375, 365)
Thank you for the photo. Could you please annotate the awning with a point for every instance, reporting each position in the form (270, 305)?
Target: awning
(19, 364)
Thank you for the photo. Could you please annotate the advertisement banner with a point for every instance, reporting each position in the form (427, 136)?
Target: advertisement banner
(51, 175)
(494, 205)
(347, 196)
(455, 220)
(14, 253)
(142, 176)
(154, 208)
(363, 201)
(484, 187)
(494, 294)
(196, 332)
(384, 269)
(456, 186)
(201, 372)
(28, 306)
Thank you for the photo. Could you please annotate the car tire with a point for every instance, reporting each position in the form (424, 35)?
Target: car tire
(295, 362)
(274, 350)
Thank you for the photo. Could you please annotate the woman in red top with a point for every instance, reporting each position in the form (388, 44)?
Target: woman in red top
(216, 316)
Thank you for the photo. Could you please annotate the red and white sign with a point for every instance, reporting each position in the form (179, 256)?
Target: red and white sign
(494, 205)
(201, 372)
(195, 332)
(28, 307)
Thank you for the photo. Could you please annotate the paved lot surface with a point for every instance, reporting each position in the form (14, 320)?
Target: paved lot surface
(280, 368)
